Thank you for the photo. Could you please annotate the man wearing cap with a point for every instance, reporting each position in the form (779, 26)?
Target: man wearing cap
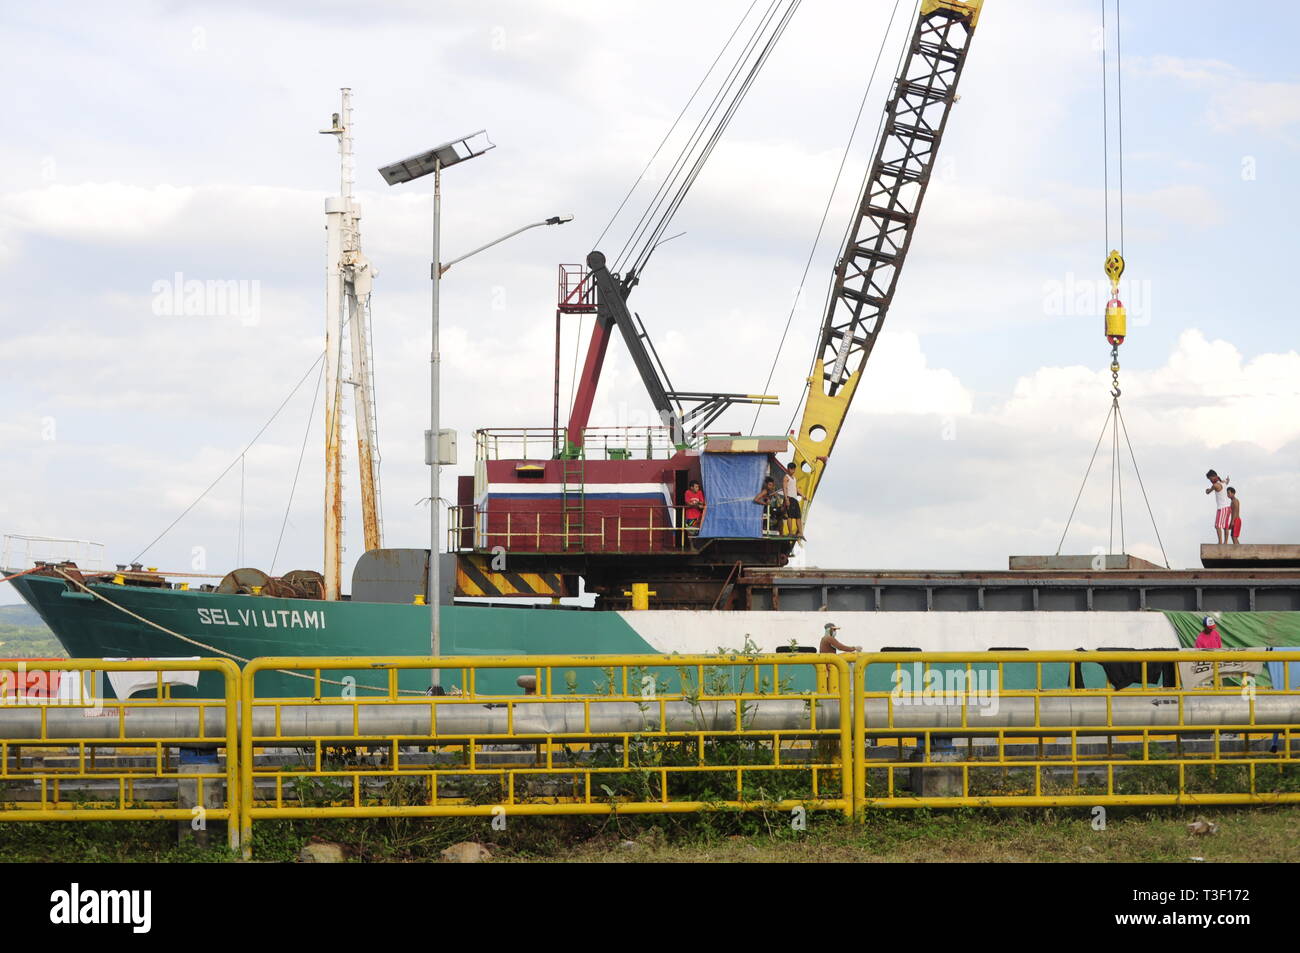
(830, 644)
(1209, 637)
(828, 679)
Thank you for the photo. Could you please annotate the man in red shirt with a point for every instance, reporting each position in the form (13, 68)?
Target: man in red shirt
(1209, 637)
(695, 505)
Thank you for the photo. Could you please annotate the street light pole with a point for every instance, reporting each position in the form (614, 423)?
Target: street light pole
(435, 471)
(435, 478)
(407, 170)
(434, 161)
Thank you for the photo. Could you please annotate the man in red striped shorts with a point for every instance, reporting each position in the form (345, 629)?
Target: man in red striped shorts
(1222, 505)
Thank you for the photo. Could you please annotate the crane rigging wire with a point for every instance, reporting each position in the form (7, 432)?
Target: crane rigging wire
(844, 239)
(1119, 130)
(1114, 268)
(668, 198)
(673, 127)
(1105, 134)
(1119, 127)
(645, 225)
(674, 169)
(656, 202)
(646, 235)
(653, 241)
(311, 416)
(821, 225)
(257, 436)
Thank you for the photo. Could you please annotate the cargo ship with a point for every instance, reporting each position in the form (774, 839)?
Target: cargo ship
(550, 512)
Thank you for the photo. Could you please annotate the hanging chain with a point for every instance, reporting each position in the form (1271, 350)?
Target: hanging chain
(1114, 371)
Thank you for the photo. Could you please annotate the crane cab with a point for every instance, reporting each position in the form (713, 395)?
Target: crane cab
(613, 511)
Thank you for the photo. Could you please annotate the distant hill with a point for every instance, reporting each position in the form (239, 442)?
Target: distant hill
(20, 614)
(24, 635)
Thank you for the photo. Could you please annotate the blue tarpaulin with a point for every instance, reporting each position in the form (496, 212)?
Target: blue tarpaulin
(1278, 677)
(731, 481)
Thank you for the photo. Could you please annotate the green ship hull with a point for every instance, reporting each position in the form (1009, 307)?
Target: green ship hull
(249, 627)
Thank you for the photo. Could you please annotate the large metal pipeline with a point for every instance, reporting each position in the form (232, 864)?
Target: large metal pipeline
(488, 721)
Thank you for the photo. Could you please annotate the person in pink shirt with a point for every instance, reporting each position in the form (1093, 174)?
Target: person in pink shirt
(1209, 637)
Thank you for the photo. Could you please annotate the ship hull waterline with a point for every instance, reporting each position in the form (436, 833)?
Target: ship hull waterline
(246, 627)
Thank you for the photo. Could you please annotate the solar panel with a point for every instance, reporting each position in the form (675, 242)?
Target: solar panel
(447, 154)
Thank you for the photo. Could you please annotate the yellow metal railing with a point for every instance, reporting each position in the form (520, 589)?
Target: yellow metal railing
(600, 735)
(954, 726)
(72, 754)
(533, 735)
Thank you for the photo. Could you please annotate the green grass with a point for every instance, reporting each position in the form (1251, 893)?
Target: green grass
(1265, 834)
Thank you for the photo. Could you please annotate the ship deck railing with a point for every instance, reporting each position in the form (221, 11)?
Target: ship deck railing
(18, 551)
(634, 529)
(598, 443)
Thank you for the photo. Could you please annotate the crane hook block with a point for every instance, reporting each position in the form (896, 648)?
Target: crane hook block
(1116, 322)
(1116, 315)
(1114, 268)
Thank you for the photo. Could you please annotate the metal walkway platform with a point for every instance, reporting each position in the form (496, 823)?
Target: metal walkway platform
(1117, 590)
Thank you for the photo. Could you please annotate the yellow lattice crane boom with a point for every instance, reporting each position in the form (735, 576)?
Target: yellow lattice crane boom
(867, 272)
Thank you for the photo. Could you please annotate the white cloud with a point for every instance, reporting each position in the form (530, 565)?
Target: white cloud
(1236, 101)
(1205, 395)
(1191, 205)
(899, 381)
(106, 211)
(909, 493)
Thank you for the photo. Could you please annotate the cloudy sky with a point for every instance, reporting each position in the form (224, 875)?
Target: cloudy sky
(147, 140)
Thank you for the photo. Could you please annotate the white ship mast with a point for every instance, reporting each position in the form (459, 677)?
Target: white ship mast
(348, 280)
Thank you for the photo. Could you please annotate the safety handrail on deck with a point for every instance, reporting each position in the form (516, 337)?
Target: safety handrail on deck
(531, 735)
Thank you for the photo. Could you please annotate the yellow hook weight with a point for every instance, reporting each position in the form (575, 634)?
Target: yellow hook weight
(1116, 315)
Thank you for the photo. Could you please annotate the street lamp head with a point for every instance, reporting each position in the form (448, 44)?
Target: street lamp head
(447, 154)
(559, 219)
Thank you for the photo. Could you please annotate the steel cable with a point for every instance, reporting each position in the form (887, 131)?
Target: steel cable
(311, 416)
(671, 128)
(231, 466)
(848, 231)
(821, 225)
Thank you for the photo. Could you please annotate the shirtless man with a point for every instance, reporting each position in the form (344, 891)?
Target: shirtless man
(773, 501)
(1222, 505)
(1235, 523)
(830, 644)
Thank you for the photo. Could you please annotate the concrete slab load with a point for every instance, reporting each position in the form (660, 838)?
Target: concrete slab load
(1250, 556)
(1081, 563)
